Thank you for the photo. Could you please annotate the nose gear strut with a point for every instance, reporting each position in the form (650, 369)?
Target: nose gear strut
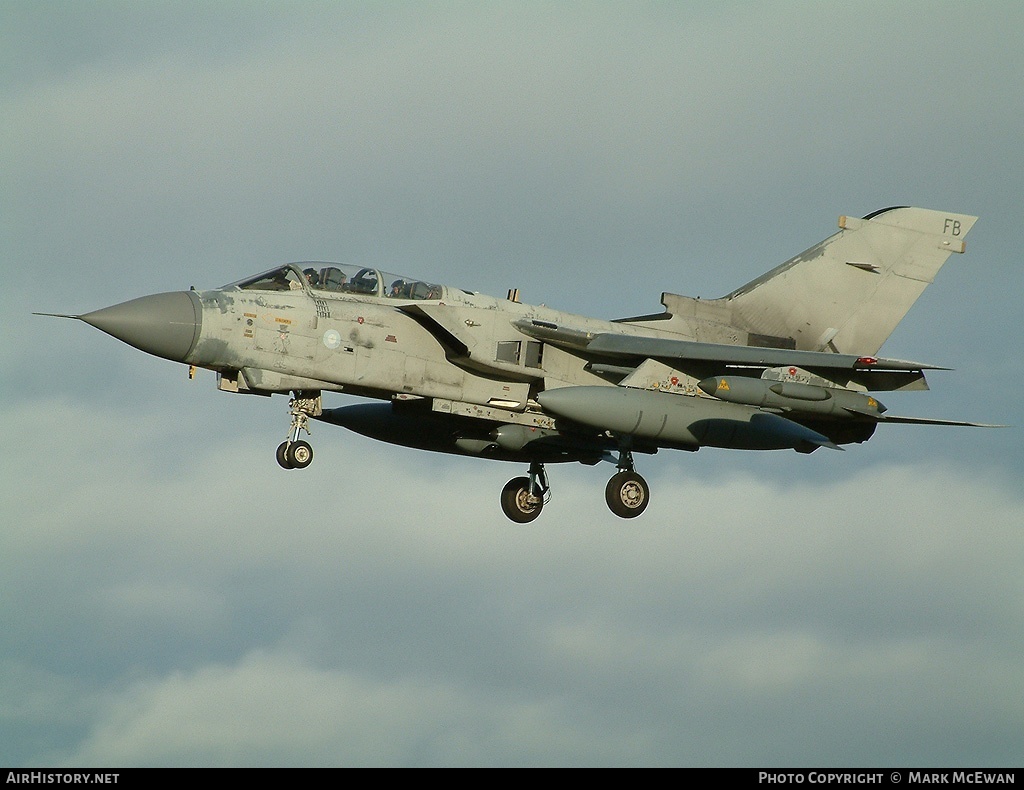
(294, 453)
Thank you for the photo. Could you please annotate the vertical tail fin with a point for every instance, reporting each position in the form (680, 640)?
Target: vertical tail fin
(848, 292)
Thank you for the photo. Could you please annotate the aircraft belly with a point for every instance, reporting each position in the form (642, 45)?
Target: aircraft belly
(412, 426)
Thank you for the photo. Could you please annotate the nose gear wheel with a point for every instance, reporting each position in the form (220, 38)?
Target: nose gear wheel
(294, 455)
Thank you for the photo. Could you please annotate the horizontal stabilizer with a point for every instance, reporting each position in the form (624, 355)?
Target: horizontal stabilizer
(871, 415)
(931, 421)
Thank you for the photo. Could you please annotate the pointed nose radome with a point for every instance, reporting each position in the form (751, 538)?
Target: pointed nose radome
(166, 325)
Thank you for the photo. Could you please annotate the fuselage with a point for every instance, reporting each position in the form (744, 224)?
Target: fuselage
(450, 344)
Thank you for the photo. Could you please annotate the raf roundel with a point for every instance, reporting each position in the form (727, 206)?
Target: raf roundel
(332, 338)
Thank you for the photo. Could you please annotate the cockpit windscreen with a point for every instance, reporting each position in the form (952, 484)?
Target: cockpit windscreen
(341, 279)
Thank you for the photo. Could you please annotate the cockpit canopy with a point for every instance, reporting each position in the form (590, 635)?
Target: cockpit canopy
(318, 276)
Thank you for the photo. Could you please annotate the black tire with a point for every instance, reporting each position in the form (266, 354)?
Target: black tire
(627, 494)
(515, 501)
(300, 454)
(282, 456)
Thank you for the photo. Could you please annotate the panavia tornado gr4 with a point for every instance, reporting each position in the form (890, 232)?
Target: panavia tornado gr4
(788, 361)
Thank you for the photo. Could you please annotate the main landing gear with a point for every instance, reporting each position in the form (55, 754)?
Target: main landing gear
(522, 498)
(295, 453)
(627, 493)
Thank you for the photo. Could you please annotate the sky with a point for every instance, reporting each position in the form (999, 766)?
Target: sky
(170, 597)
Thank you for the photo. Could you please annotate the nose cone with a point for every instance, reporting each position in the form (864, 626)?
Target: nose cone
(166, 325)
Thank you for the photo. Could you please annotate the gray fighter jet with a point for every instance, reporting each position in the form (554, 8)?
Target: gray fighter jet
(788, 361)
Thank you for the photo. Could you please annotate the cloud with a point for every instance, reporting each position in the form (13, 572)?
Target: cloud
(385, 613)
(274, 709)
(443, 139)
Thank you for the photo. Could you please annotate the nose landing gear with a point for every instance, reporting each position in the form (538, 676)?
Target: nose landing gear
(294, 453)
